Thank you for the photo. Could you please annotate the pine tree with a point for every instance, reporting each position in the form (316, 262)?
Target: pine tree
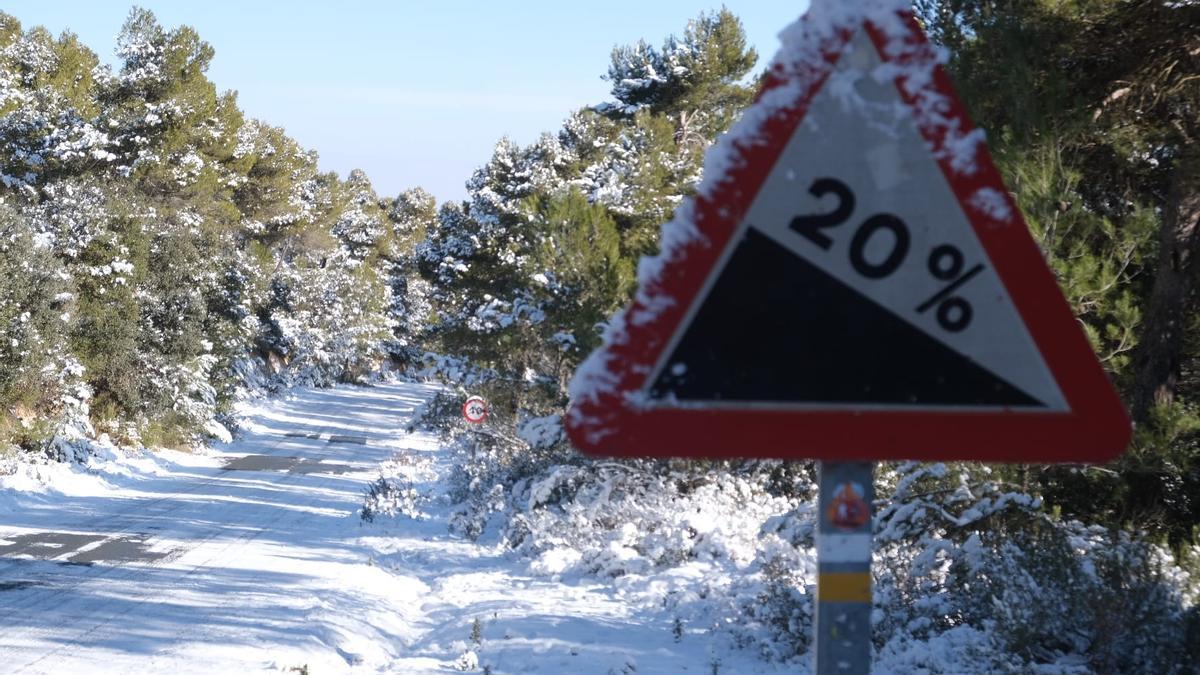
(360, 225)
(187, 243)
(105, 336)
(36, 305)
(411, 215)
(696, 79)
(1091, 109)
(48, 128)
(586, 279)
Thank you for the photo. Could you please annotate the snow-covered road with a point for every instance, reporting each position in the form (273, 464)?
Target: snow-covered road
(245, 555)
(253, 557)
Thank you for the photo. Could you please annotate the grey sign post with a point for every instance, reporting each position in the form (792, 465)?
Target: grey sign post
(843, 613)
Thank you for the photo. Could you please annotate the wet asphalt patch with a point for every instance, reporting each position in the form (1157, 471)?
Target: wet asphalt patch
(303, 434)
(282, 463)
(19, 584)
(88, 549)
(356, 440)
(261, 463)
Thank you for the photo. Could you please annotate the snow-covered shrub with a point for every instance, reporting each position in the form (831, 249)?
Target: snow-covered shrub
(452, 370)
(327, 323)
(466, 661)
(388, 497)
(960, 559)
(634, 516)
(775, 597)
(491, 459)
(394, 492)
(779, 617)
(970, 574)
(494, 456)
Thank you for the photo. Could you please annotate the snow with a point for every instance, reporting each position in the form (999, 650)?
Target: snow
(992, 203)
(274, 570)
(218, 431)
(541, 432)
(327, 534)
(256, 555)
(259, 567)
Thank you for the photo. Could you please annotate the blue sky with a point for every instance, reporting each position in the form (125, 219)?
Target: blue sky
(416, 93)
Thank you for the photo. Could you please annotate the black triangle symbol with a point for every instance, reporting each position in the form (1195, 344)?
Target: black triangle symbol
(775, 328)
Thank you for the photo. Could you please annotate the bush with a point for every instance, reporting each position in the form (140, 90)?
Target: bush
(388, 497)
(954, 551)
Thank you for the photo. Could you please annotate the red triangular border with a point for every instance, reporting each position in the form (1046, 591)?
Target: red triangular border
(606, 416)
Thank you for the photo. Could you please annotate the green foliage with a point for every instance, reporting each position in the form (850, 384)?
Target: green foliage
(1099, 260)
(700, 74)
(1090, 108)
(582, 246)
(105, 337)
(1152, 487)
(276, 169)
(34, 307)
(161, 245)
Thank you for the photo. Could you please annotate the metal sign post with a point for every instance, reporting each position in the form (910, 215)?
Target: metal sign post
(843, 613)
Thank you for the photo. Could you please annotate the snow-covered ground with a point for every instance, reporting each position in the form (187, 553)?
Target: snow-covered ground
(252, 556)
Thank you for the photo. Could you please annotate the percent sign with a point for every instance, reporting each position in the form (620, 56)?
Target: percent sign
(946, 264)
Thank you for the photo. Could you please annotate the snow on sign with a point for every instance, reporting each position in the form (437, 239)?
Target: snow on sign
(853, 281)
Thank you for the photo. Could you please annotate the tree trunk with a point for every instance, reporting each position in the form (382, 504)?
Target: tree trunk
(1173, 296)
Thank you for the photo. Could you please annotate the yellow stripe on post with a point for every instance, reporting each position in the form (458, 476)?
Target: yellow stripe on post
(844, 587)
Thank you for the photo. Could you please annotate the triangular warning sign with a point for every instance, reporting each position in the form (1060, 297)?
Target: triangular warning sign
(852, 282)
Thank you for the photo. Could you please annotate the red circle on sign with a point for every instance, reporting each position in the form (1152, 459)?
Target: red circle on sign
(475, 410)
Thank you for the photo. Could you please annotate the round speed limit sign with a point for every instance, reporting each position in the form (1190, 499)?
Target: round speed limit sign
(475, 410)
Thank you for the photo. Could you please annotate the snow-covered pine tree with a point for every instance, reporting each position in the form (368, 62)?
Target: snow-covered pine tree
(411, 216)
(190, 243)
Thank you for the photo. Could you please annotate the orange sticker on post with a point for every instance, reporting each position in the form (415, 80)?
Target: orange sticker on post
(848, 510)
